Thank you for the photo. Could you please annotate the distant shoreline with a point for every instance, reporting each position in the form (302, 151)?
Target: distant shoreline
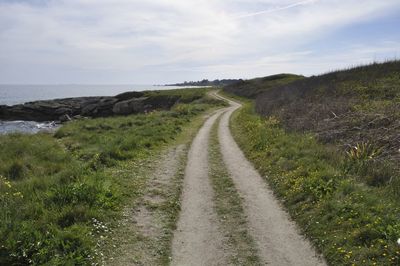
(65, 109)
(12, 94)
(206, 83)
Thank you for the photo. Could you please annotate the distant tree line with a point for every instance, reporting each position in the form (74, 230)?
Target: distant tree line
(206, 82)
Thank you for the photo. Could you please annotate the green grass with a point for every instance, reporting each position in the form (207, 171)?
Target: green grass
(350, 222)
(57, 191)
(230, 208)
(187, 95)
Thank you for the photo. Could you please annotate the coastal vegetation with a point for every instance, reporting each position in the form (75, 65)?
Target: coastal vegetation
(206, 82)
(328, 146)
(254, 87)
(57, 194)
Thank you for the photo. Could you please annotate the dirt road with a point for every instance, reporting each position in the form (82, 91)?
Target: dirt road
(197, 240)
(278, 240)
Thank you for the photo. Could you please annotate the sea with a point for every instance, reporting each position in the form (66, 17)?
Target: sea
(19, 94)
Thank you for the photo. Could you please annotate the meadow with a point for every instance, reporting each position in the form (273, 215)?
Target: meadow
(56, 192)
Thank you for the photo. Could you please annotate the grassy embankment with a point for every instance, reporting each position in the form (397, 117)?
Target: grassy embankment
(350, 211)
(59, 198)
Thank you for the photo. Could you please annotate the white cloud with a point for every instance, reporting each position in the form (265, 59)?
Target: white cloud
(276, 9)
(210, 38)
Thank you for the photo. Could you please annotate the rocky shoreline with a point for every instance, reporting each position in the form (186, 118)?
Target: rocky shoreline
(102, 106)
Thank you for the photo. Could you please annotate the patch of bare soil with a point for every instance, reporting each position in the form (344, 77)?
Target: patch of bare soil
(146, 221)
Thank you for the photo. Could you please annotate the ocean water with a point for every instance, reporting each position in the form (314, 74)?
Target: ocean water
(18, 94)
(30, 127)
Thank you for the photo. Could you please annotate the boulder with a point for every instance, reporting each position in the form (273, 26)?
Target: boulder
(103, 107)
(79, 117)
(129, 95)
(164, 102)
(64, 118)
(3, 110)
(132, 106)
(63, 111)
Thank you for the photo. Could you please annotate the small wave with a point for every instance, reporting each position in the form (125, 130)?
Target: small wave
(28, 127)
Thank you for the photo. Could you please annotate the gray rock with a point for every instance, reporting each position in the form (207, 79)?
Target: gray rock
(131, 106)
(64, 118)
(79, 117)
(64, 109)
(129, 95)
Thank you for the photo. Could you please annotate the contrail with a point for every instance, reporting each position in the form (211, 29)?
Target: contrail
(272, 10)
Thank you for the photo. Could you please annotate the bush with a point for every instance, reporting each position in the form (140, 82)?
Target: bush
(363, 161)
(16, 170)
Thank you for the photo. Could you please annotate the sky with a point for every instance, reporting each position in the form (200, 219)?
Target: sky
(167, 41)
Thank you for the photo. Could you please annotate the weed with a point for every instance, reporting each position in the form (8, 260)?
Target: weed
(363, 151)
(363, 161)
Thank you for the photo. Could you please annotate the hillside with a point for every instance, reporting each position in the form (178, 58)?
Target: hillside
(328, 145)
(254, 87)
(347, 107)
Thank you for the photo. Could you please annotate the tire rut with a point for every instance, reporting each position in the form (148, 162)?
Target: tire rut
(197, 240)
(276, 236)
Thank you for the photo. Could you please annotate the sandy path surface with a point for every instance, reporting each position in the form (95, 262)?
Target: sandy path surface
(277, 238)
(197, 240)
(145, 222)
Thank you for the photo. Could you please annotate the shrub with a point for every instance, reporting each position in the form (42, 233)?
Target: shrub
(363, 161)
(16, 170)
(363, 151)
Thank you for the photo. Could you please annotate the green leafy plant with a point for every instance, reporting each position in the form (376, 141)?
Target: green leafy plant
(363, 151)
